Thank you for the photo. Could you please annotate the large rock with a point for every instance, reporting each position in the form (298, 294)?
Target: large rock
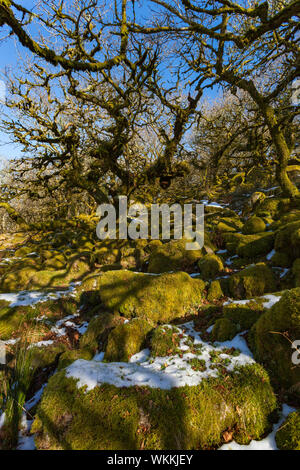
(135, 417)
(251, 246)
(272, 336)
(288, 239)
(159, 298)
(127, 339)
(173, 256)
(254, 225)
(252, 281)
(210, 266)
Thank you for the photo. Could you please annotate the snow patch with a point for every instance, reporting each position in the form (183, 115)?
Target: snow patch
(160, 372)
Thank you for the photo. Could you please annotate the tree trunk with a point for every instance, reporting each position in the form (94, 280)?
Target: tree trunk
(15, 216)
(283, 154)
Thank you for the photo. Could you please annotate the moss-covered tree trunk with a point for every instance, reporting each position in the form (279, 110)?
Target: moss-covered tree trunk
(15, 216)
(282, 151)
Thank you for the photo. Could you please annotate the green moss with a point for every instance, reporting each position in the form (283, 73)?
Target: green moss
(153, 244)
(280, 259)
(252, 281)
(16, 319)
(231, 242)
(71, 355)
(296, 272)
(173, 256)
(11, 320)
(223, 330)
(292, 216)
(215, 291)
(288, 435)
(164, 341)
(272, 335)
(254, 225)
(127, 339)
(17, 280)
(111, 418)
(88, 291)
(269, 205)
(57, 262)
(243, 315)
(47, 254)
(47, 355)
(229, 224)
(48, 278)
(98, 330)
(159, 298)
(23, 251)
(210, 266)
(106, 255)
(251, 246)
(76, 269)
(199, 365)
(287, 239)
(256, 199)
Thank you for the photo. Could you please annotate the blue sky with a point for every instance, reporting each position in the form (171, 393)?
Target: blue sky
(10, 50)
(8, 58)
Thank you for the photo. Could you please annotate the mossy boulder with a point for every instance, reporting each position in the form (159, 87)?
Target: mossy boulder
(272, 336)
(292, 216)
(47, 355)
(19, 319)
(173, 256)
(296, 272)
(88, 291)
(106, 255)
(254, 225)
(287, 239)
(252, 281)
(215, 291)
(76, 270)
(280, 259)
(269, 205)
(23, 251)
(288, 435)
(98, 330)
(165, 341)
(232, 241)
(49, 278)
(159, 298)
(139, 417)
(229, 224)
(243, 315)
(127, 339)
(210, 266)
(71, 355)
(223, 330)
(153, 245)
(17, 280)
(55, 263)
(251, 246)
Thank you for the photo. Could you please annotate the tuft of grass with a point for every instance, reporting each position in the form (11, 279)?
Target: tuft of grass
(15, 383)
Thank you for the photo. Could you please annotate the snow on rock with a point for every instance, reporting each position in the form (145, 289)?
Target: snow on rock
(270, 255)
(268, 443)
(270, 300)
(26, 443)
(35, 399)
(27, 297)
(2, 419)
(159, 372)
